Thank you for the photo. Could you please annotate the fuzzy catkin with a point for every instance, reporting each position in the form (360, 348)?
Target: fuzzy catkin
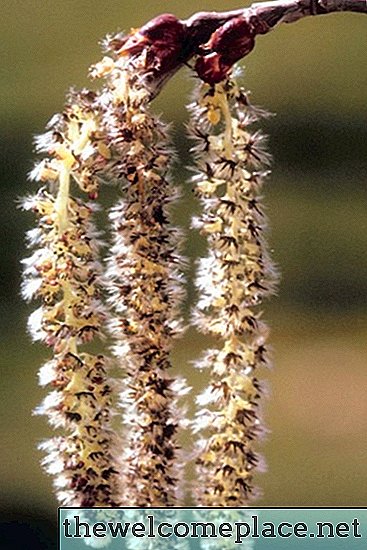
(232, 281)
(145, 282)
(64, 273)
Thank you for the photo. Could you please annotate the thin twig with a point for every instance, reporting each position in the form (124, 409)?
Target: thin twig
(279, 11)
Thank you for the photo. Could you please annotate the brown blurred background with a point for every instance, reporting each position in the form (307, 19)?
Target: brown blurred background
(314, 76)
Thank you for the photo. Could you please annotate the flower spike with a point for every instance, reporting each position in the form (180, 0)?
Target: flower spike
(144, 274)
(232, 281)
(64, 273)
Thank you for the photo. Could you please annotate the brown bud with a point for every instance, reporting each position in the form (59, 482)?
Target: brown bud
(228, 44)
(162, 38)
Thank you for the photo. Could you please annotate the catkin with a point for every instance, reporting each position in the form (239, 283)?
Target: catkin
(64, 273)
(145, 281)
(232, 281)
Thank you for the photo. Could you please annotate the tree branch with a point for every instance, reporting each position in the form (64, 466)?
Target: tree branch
(216, 39)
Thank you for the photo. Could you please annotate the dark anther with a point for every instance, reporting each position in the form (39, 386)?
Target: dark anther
(228, 470)
(95, 455)
(106, 474)
(85, 394)
(75, 417)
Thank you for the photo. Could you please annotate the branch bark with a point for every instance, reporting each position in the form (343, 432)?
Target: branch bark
(280, 11)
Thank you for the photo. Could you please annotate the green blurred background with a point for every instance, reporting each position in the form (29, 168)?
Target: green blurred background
(314, 76)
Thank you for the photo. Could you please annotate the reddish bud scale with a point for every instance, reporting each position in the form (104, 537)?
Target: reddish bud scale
(227, 45)
(162, 38)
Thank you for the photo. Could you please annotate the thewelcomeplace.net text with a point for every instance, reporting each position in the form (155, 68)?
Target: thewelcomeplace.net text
(77, 527)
